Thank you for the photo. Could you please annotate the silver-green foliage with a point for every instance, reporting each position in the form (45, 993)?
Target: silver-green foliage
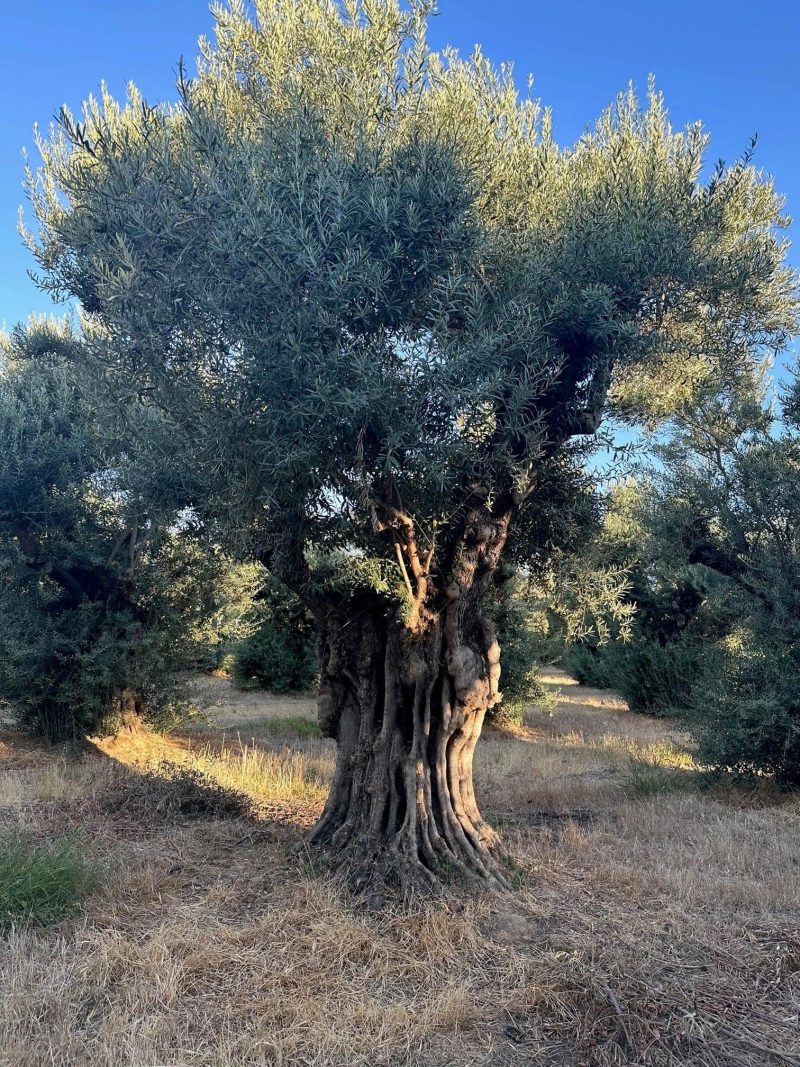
(354, 272)
(726, 502)
(712, 554)
(102, 594)
(644, 630)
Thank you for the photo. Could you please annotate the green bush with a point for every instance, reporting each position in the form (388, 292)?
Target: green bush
(586, 663)
(41, 882)
(654, 679)
(280, 660)
(745, 714)
(280, 655)
(74, 672)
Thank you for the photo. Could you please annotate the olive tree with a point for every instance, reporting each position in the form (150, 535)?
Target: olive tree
(724, 506)
(380, 305)
(104, 595)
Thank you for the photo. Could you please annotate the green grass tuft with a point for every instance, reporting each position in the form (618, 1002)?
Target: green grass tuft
(645, 779)
(41, 882)
(290, 727)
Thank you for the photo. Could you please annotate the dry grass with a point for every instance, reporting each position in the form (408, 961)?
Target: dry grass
(224, 706)
(656, 922)
(266, 773)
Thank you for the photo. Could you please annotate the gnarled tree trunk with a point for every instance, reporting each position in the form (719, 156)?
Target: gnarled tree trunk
(405, 695)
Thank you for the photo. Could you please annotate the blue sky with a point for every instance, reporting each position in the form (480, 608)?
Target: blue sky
(734, 65)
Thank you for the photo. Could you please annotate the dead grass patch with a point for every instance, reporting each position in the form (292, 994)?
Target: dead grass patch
(57, 780)
(649, 927)
(226, 707)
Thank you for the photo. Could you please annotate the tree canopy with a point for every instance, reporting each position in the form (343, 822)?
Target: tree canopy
(358, 272)
(726, 503)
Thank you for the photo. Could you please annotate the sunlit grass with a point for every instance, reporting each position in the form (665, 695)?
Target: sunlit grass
(284, 775)
(300, 771)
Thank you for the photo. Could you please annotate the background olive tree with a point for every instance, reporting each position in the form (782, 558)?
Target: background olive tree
(708, 540)
(382, 309)
(650, 640)
(726, 505)
(106, 594)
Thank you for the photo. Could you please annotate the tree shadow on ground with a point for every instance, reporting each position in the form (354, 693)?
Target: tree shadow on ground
(131, 788)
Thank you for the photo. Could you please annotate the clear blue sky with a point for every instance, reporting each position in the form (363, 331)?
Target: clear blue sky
(734, 65)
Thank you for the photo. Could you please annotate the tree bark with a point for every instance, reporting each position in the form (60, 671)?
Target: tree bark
(131, 715)
(404, 693)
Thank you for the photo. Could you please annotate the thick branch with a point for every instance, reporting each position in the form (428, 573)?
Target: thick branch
(729, 566)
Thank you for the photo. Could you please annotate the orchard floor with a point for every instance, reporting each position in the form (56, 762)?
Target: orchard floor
(656, 920)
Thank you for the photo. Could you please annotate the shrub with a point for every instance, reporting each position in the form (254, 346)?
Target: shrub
(280, 655)
(654, 679)
(276, 659)
(586, 662)
(41, 882)
(745, 714)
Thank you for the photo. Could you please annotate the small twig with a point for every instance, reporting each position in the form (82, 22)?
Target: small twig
(622, 1016)
(786, 1057)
